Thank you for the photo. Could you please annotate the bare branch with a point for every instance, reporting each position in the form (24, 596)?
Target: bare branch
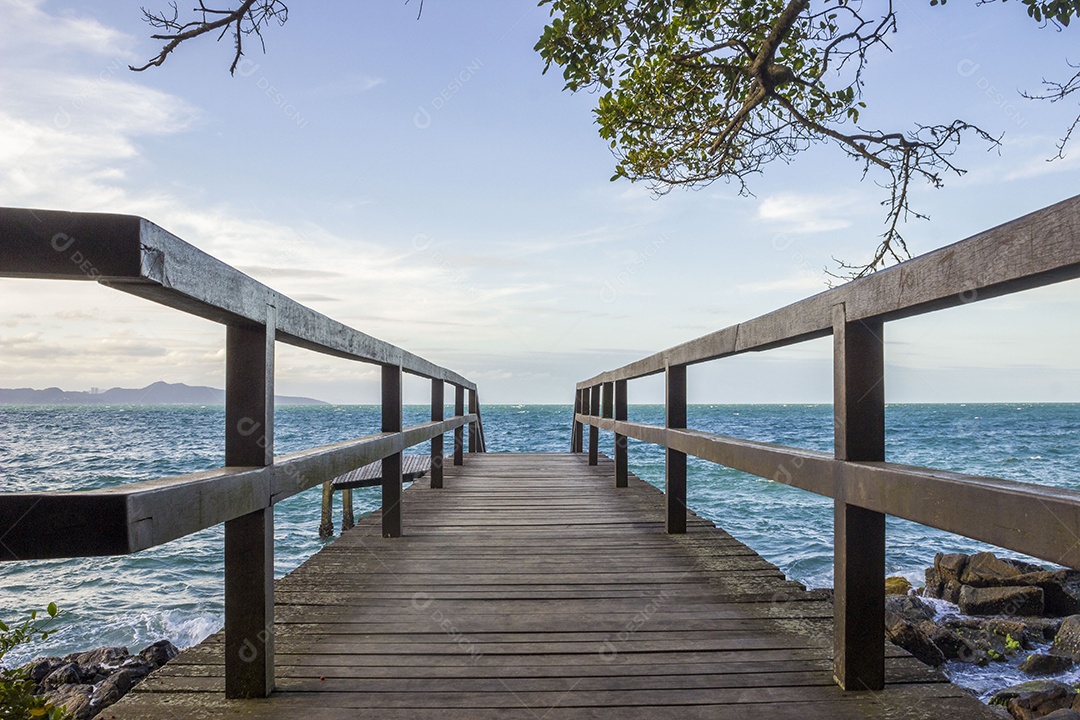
(248, 18)
(1055, 91)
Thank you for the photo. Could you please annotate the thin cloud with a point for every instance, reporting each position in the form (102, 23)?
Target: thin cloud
(806, 213)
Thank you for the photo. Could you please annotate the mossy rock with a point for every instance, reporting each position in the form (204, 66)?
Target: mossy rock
(896, 585)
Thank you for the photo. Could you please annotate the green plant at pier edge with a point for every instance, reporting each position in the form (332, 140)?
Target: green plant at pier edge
(17, 699)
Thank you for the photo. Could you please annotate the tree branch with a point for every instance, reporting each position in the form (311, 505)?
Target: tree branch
(247, 18)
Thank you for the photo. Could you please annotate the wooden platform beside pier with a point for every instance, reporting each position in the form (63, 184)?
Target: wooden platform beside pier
(530, 587)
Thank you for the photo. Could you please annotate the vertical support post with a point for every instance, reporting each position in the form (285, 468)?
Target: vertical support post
(859, 534)
(391, 466)
(347, 520)
(577, 441)
(474, 428)
(594, 432)
(480, 427)
(438, 400)
(459, 432)
(249, 539)
(675, 462)
(621, 454)
(607, 401)
(326, 521)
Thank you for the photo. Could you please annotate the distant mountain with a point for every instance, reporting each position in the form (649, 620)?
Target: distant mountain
(160, 393)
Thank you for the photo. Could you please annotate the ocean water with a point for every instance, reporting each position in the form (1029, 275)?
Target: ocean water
(176, 590)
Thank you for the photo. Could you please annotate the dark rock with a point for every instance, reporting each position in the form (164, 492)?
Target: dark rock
(1042, 629)
(73, 698)
(912, 638)
(933, 585)
(1023, 566)
(138, 667)
(112, 689)
(66, 674)
(38, 668)
(105, 695)
(1015, 630)
(952, 646)
(985, 570)
(1059, 601)
(159, 653)
(103, 657)
(908, 607)
(1062, 714)
(994, 637)
(123, 680)
(1039, 703)
(1039, 664)
(1031, 687)
(1001, 600)
(1067, 640)
(949, 566)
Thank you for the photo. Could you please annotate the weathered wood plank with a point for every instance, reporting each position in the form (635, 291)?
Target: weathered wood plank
(531, 586)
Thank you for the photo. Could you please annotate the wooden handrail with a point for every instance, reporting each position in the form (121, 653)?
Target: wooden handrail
(1032, 251)
(127, 518)
(132, 254)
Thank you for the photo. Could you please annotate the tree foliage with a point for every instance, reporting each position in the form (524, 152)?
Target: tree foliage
(17, 698)
(692, 91)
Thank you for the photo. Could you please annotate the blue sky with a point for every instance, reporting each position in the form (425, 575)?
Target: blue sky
(423, 181)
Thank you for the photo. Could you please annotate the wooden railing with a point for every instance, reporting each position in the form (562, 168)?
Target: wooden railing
(1035, 250)
(134, 255)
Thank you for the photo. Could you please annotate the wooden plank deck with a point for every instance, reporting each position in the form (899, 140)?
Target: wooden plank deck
(530, 587)
(412, 467)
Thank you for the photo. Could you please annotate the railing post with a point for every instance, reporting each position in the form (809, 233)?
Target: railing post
(474, 429)
(391, 466)
(577, 440)
(480, 427)
(459, 432)
(438, 401)
(348, 522)
(607, 401)
(249, 539)
(594, 432)
(621, 455)
(675, 462)
(326, 521)
(859, 534)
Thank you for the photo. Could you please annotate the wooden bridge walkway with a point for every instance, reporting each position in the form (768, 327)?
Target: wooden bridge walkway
(530, 587)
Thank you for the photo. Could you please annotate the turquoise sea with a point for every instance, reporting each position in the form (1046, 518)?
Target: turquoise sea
(175, 590)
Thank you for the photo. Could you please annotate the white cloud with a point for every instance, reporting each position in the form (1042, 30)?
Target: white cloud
(25, 20)
(806, 213)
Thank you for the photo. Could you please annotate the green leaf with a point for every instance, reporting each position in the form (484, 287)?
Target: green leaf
(52, 609)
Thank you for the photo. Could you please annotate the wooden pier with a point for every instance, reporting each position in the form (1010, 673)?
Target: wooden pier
(539, 586)
(531, 587)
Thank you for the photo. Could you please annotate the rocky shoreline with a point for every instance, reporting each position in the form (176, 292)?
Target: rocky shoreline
(88, 682)
(1005, 611)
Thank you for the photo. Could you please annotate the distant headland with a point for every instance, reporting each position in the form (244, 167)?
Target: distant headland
(159, 393)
